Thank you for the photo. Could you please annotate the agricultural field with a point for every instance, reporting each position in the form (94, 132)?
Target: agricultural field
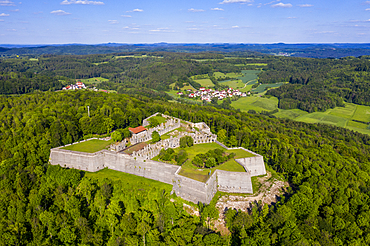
(261, 88)
(90, 146)
(218, 75)
(235, 84)
(256, 103)
(249, 75)
(339, 116)
(95, 80)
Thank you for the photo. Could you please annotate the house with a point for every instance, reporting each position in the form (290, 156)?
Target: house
(137, 130)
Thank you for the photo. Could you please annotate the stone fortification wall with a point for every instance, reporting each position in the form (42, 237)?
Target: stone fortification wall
(234, 182)
(193, 190)
(93, 162)
(255, 165)
(152, 150)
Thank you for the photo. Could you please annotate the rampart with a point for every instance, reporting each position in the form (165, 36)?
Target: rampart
(187, 188)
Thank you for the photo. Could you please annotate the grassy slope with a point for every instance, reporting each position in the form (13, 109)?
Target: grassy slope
(134, 180)
(90, 146)
(256, 103)
(339, 116)
(95, 80)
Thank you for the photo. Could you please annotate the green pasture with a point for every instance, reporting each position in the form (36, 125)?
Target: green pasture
(235, 84)
(261, 88)
(338, 116)
(255, 103)
(205, 82)
(132, 180)
(33, 59)
(362, 113)
(95, 80)
(248, 75)
(90, 146)
(290, 114)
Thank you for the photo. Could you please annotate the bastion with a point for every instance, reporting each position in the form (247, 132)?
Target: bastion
(139, 162)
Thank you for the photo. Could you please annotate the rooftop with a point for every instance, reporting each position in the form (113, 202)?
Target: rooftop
(137, 130)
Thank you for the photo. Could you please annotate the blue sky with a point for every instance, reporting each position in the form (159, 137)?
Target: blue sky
(184, 21)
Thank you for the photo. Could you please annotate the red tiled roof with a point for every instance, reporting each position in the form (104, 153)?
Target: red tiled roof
(137, 129)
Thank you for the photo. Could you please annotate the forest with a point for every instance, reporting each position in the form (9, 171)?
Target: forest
(327, 168)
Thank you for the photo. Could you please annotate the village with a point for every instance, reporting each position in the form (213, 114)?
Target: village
(207, 94)
(79, 85)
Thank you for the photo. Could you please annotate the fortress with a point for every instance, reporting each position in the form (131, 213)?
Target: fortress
(139, 162)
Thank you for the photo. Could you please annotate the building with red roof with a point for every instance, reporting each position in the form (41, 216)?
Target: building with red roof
(137, 130)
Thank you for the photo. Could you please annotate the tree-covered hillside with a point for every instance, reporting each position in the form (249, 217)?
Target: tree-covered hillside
(327, 168)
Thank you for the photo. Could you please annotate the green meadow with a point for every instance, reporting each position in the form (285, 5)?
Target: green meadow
(261, 88)
(95, 80)
(90, 146)
(256, 103)
(346, 117)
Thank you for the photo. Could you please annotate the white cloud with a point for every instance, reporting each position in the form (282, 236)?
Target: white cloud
(282, 5)
(6, 3)
(113, 21)
(3, 14)
(195, 10)
(59, 12)
(305, 5)
(137, 10)
(163, 29)
(292, 17)
(367, 2)
(84, 2)
(367, 9)
(236, 1)
(14, 10)
(127, 16)
(235, 27)
(218, 9)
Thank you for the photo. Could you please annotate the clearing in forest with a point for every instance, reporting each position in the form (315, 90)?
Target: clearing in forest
(256, 103)
(90, 146)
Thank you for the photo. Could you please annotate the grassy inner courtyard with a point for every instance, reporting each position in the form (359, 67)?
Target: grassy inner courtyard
(90, 146)
(193, 172)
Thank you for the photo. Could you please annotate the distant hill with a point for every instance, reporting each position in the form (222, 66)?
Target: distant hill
(297, 50)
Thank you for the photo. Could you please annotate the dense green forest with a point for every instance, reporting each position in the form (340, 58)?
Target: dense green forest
(319, 84)
(327, 168)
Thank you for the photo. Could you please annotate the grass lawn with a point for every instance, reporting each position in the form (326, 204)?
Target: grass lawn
(160, 119)
(262, 88)
(255, 103)
(90, 146)
(193, 172)
(133, 180)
